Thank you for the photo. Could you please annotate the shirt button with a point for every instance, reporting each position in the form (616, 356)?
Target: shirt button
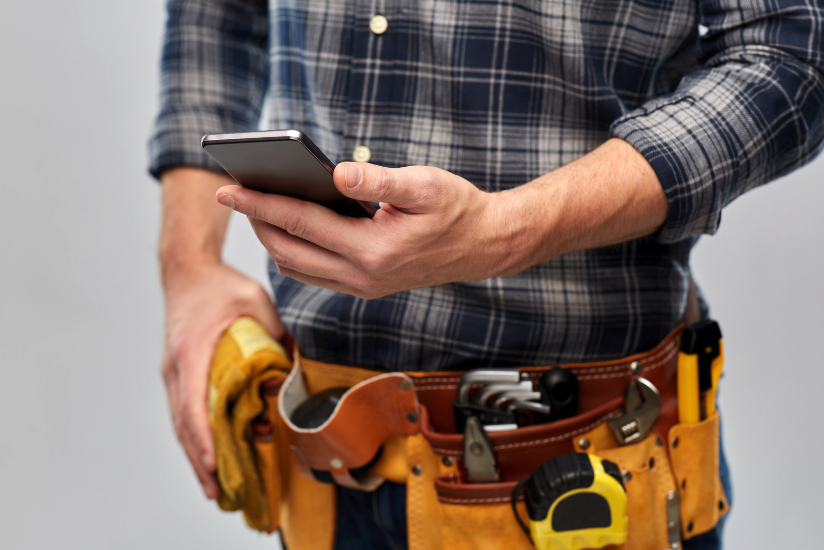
(378, 24)
(361, 154)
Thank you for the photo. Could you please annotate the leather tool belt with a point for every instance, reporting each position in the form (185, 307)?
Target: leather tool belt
(406, 420)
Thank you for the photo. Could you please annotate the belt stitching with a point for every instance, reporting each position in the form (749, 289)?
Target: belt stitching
(443, 383)
(536, 442)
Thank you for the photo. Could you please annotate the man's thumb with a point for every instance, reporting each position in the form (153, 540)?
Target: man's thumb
(369, 182)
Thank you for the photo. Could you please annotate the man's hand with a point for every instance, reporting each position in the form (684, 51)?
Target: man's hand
(200, 306)
(430, 230)
(435, 227)
(203, 297)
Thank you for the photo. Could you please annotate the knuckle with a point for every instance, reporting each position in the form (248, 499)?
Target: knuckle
(372, 261)
(379, 260)
(189, 407)
(167, 372)
(253, 209)
(282, 257)
(382, 185)
(251, 292)
(177, 423)
(294, 222)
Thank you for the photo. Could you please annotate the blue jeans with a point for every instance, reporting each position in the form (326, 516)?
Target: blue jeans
(377, 521)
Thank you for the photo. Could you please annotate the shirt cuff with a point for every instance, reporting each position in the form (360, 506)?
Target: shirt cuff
(176, 141)
(665, 132)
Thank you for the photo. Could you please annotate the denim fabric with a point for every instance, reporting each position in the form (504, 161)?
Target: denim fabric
(377, 521)
(372, 521)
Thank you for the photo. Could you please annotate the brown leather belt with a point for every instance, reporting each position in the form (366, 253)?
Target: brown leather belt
(380, 406)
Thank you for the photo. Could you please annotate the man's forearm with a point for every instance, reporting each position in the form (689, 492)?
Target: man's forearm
(608, 196)
(193, 225)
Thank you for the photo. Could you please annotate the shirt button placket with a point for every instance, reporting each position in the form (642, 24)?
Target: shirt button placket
(378, 24)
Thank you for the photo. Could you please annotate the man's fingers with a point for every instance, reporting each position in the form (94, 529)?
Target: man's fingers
(208, 481)
(327, 283)
(298, 255)
(410, 189)
(194, 380)
(306, 220)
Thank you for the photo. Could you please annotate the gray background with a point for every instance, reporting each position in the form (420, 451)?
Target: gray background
(87, 454)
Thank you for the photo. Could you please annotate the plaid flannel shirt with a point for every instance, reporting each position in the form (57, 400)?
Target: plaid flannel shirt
(720, 96)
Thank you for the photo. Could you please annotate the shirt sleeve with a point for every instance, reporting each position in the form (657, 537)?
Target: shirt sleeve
(752, 113)
(214, 74)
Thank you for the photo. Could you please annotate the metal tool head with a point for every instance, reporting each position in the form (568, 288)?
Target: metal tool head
(485, 376)
(492, 428)
(478, 457)
(492, 389)
(529, 406)
(517, 395)
(642, 407)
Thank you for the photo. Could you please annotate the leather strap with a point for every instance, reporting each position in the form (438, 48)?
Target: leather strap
(365, 417)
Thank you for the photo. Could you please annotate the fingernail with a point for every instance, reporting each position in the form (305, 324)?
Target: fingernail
(353, 175)
(226, 200)
(206, 460)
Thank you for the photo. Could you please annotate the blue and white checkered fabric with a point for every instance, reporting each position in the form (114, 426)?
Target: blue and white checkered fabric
(501, 92)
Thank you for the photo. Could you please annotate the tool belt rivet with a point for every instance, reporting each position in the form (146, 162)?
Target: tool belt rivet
(583, 443)
(635, 367)
(405, 385)
(336, 463)
(447, 461)
(627, 476)
(674, 442)
(417, 470)
(412, 417)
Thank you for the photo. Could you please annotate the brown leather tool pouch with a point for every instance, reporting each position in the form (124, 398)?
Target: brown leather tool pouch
(366, 416)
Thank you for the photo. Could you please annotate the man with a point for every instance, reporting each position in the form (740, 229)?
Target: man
(544, 169)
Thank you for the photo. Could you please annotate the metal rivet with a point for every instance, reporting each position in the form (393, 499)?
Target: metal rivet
(627, 476)
(635, 368)
(476, 448)
(674, 442)
(690, 527)
(405, 385)
(720, 504)
(412, 417)
(361, 154)
(652, 463)
(378, 24)
(336, 463)
(658, 441)
(447, 461)
(583, 443)
(417, 470)
(683, 484)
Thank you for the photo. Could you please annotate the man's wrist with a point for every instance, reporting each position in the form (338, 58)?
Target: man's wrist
(609, 196)
(194, 224)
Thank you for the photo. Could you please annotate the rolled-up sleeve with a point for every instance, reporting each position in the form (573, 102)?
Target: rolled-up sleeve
(752, 113)
(214, 73)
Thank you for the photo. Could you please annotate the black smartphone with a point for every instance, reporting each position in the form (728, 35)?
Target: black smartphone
(283, 162)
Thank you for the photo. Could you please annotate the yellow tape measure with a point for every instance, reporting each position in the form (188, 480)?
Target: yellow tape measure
(574, 501)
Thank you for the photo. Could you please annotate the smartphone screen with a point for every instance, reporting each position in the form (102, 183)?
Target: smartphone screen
(283, 162)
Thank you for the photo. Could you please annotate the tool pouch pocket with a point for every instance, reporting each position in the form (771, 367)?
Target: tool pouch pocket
(367, 415)
(647, 480)
(694, 453)
(479, 515)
